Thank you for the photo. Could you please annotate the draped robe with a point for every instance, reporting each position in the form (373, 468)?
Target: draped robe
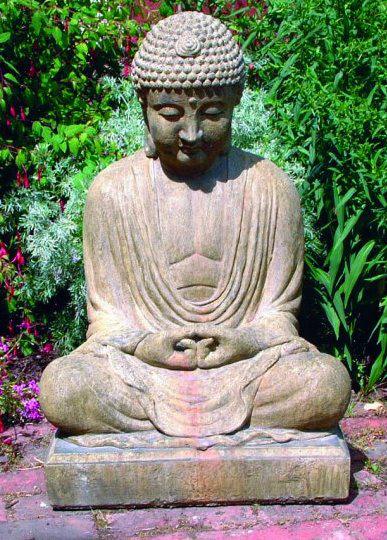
(129, 281)
(131, 287)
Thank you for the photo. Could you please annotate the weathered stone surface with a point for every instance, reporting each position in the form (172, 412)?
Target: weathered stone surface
(193, 260)
(362, 516)
(193, 255)
(299, 470)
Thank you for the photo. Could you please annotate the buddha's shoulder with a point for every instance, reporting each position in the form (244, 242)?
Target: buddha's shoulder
(262, 170)
(111, 178)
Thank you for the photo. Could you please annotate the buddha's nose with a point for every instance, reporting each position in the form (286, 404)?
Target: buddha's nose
(191, 134)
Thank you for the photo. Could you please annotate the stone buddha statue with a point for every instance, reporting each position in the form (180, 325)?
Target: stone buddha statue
(193, 254)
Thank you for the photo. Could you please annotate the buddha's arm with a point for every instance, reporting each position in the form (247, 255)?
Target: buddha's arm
(276, 318)
(275, 322)
(111, 316)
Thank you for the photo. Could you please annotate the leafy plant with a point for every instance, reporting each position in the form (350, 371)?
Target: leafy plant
(344, 287)
(322, 68)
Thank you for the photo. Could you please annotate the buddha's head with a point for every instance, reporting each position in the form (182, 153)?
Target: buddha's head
(189, 75)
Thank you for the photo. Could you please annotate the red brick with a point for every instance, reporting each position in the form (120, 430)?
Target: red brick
(352, 426)
(27, 481)
(160, 520)
(33, 507)
(3, 512)
(65, 528)
(325, 530)
(371, 528)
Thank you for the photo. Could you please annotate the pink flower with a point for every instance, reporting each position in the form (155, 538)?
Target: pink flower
(8, 122)
(2, 428)
(26, 325)
(251, 67)
(47, 348)
(152, 5)
(11, 290)
(4, 347)
(139, 19)
(22, 115)
(12, 111)
(62, 205)
(239, 4)
(32, 71)
(127, 70)
(19, 258)
(3, 251)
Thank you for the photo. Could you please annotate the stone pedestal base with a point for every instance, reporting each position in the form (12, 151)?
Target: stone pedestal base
(312, 470)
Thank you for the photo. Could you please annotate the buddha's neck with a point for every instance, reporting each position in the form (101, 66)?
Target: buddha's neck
(204, 181)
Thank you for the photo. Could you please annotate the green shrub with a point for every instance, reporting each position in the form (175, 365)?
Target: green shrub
(323, 71)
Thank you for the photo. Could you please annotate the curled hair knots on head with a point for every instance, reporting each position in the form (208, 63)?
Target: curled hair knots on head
(188, 50)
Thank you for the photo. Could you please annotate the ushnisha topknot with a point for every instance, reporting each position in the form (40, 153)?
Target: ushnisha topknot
(188, 50)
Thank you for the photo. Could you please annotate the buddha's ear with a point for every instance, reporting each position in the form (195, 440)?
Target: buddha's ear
(238, 95)
(149, 145)
(142, 98)
(227, 146)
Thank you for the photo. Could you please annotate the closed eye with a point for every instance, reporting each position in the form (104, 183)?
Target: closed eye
(170, 113)
(212, 111)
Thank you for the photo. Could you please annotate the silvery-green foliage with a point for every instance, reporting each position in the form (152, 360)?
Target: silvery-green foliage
(125, 127)
(53, 233)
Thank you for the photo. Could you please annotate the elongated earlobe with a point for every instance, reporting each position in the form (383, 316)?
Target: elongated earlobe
(227, 146)
(149, 145)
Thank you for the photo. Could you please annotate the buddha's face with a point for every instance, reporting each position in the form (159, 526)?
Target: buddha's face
(190, 129)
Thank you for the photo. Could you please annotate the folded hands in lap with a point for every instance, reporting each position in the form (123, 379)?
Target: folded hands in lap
(209, 346)
(202, 346)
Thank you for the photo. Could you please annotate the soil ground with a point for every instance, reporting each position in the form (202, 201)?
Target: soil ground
(26, 514)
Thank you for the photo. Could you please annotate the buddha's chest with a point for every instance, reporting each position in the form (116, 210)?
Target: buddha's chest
(193, 232)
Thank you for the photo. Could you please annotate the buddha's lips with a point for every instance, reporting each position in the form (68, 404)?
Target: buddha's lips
(189, 150)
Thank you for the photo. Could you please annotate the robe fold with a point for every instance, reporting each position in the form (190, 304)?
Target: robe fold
(131, 289)
(128, 279)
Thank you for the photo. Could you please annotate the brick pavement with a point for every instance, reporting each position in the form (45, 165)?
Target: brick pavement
(26, 514)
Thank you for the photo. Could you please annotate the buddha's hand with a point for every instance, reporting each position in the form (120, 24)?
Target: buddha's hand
(270, 335)
(296, 345)
(173, 349)
(227, 345)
